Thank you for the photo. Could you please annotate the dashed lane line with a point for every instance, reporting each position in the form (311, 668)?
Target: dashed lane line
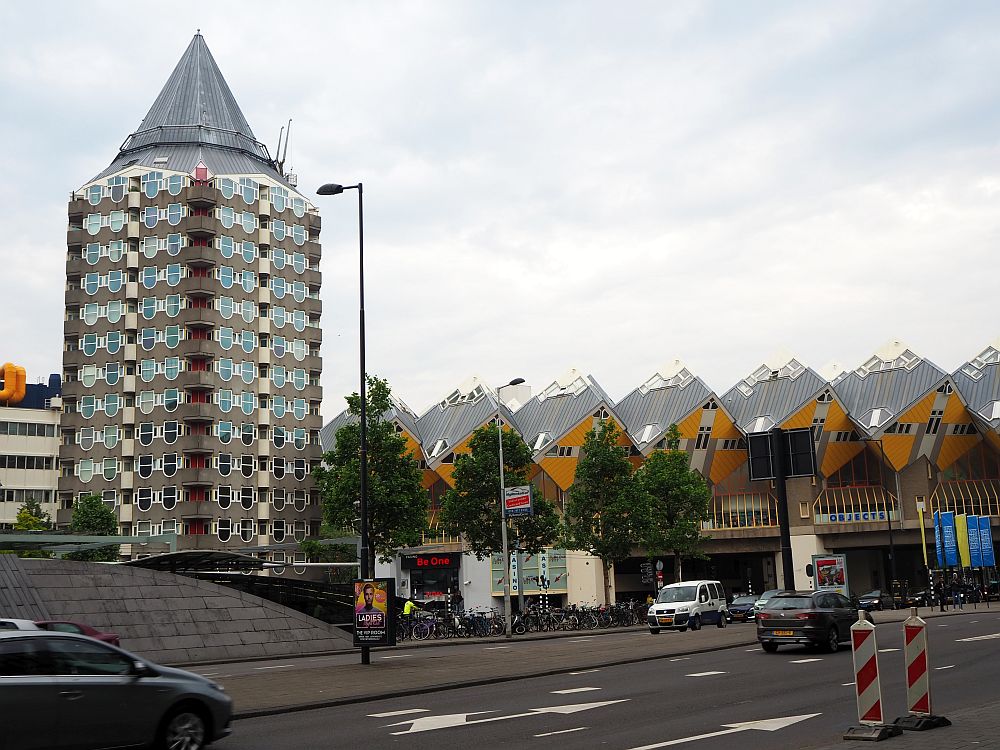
(586, 671)
(846, 684)
(277, 666)
(494, 648)
(703, 674)
(397, 656)
(803, 661)
(949, 666)
(887, 650)
(562, 731)
(402, 712)
(567, 691)
(681, 658)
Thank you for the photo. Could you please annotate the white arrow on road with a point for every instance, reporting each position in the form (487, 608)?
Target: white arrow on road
(444, 721)
(766, 725)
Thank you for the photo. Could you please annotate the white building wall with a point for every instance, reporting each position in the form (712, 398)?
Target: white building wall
(804, 546)
(586, 578)
(20, 483)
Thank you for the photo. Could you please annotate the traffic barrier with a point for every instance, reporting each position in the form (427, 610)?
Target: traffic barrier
(867, 686)
(918, 687)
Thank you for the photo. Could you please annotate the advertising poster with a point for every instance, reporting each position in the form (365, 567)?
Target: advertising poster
(374, 614)
(975, 552)
(550, 565)
(830, 573)
(517, 501)
(962, 535)
(938, 542)
(986, 542)
(948, 538)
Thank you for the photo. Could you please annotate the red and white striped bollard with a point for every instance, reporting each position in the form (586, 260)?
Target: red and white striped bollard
(918, 686)
(866, 684)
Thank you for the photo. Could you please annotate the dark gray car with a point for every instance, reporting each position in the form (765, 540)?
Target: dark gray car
(59, 690)
(815, 618)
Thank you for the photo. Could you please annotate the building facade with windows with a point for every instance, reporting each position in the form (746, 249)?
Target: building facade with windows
(894, 435)
(191, 360)
(29, 449)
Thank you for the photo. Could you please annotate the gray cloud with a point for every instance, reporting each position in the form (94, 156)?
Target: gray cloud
(563, 184)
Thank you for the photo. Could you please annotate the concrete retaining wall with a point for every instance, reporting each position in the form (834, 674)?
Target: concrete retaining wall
(172, 619)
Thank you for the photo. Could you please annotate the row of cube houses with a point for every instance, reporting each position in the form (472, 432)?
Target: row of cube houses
(897, 403)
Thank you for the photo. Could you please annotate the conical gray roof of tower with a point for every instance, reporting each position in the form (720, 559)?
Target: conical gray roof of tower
(195, 118)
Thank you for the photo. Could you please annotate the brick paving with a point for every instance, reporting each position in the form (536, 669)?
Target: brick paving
(971, 728)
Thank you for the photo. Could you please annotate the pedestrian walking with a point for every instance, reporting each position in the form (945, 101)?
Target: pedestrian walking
(940, 592)
(956, 592)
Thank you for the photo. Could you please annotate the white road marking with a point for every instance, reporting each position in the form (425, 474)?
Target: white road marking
(444, 721)
(749, 650)
(766, 725)
(989, 637)
(573, 690)
(583, 671)
(950, 666)
(971, 622)
(846, 684)
(404, 712)
(682, 658)
(561, 731)
(397, 656)
(887, 650)
(278, 666)
(214, 674)
(939, 624)
(703, 674)
(803, 661)
(495, 648)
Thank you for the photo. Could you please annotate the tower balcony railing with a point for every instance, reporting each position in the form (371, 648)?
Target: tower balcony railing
(742, 510)
(854, 504)
(976, 497)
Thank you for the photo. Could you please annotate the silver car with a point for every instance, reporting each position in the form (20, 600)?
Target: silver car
(59, 690)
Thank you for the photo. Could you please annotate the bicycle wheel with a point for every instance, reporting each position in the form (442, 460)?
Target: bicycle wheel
(422, 630)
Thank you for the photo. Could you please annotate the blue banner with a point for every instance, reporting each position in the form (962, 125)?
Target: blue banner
(949, 538)
(975, 551)
(986, 542)
(938, 544)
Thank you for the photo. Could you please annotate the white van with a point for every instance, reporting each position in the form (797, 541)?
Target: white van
(689, 604)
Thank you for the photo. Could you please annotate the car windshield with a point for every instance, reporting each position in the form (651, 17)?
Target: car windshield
(676, 594)
(744, 600)
(789, 602)
(768, 594)
(872, 594)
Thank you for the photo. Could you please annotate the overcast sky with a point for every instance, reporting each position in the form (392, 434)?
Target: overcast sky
(606, 186)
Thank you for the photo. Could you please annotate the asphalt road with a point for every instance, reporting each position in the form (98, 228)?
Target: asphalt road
(647, 704)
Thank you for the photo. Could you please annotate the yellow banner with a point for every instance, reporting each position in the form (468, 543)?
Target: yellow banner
(962, 533)
(923, 534)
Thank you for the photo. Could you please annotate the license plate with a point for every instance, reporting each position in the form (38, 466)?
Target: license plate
(666, 620)
(782, 632)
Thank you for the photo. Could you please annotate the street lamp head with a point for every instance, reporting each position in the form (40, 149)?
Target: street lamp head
(516, 381)
(330, 188)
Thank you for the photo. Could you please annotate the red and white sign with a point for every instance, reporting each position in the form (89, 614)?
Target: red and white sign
(517, 501)
(918, 688)
(866, 680)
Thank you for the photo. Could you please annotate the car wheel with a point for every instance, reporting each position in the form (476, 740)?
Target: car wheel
(654, 631)
(769, 647)
(696, 622)
(681, 630)
(722, 620)
(183, 729)
(832, 640)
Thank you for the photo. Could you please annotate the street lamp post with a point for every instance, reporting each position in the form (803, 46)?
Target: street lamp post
(334, 189)
(503, 522)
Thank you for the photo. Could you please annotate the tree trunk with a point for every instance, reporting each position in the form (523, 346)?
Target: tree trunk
(679, 572)
(608, 595)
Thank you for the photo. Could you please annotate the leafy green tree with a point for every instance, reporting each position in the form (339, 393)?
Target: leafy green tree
(31, 517)
(317, 551)
(397, 503)
(472, 507)
(605, 515)
(678, 501)
(93, 518)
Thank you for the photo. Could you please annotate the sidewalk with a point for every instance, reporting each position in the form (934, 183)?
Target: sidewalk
(971, 728)
(421, 667)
